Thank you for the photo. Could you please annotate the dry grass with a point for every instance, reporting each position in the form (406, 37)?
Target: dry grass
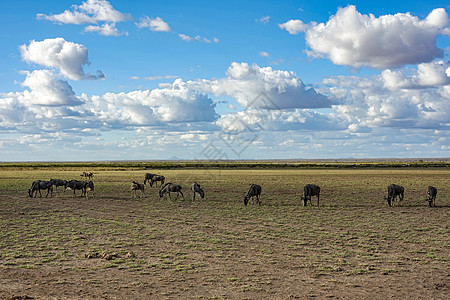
(353, 246)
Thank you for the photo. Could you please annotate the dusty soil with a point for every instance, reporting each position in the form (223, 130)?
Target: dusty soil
(112, 246)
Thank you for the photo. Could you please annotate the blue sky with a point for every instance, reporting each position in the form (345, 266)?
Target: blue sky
(117, 80)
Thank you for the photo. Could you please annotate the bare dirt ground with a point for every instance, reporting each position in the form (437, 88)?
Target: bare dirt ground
(112, 246)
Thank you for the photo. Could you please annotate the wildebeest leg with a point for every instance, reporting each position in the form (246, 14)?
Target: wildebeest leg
(318, 199)
(181, 194)
(193, 198)
(257, 200)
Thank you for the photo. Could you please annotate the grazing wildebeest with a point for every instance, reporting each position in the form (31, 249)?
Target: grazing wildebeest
(39, 185)
(195, 187)
(89, 187)
(148, 177)
(58, 182)
(76, 185)
(255, 191)
(394, 191)
(308, 191)
(170, 188)
(87, 175)
(431, 195)
(157, 178)
(137, 187)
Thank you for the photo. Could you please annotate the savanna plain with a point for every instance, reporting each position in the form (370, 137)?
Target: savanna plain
(117, 246)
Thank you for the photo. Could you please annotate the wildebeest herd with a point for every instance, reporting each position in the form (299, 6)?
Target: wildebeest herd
(309, 190)
(84, 185)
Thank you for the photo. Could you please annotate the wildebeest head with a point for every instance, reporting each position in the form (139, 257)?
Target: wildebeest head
(388, 199)
(246, 198)
(202, 193)
(305, 200)
(30, 192)
(90, 185)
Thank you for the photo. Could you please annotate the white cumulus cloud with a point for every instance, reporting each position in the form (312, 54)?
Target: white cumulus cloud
(69, 58)
(47, 90)
(369, 104)
(107, 29)
(264, 87)
(176, 102)
(389, 41)
(293, 26)
(155, 24)
(90, 11)
(427, 75)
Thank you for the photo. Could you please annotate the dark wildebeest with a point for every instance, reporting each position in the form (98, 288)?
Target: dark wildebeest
(39, 185)
(308, 191)
(137, 187)
(195, 187)
(89, 187)
(76, 185)
(87, 175)
(431, 195)
(394, 191)
(170, 188)
(157, 178)
(148, 177)
(255, 191)
(58, 182)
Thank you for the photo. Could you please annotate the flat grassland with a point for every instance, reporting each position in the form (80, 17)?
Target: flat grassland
(113, 246)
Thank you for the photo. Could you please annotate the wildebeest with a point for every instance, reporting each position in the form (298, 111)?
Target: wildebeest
(195, 187)
(58, 182)
(157, 178)
(310, 190)
(431, 195)
(170, 188)
(255, 191)
(87, 175)
(76, 185)
(394, 191)
(137, 187)
(148, 177)
(39, 185)
(89, 187)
